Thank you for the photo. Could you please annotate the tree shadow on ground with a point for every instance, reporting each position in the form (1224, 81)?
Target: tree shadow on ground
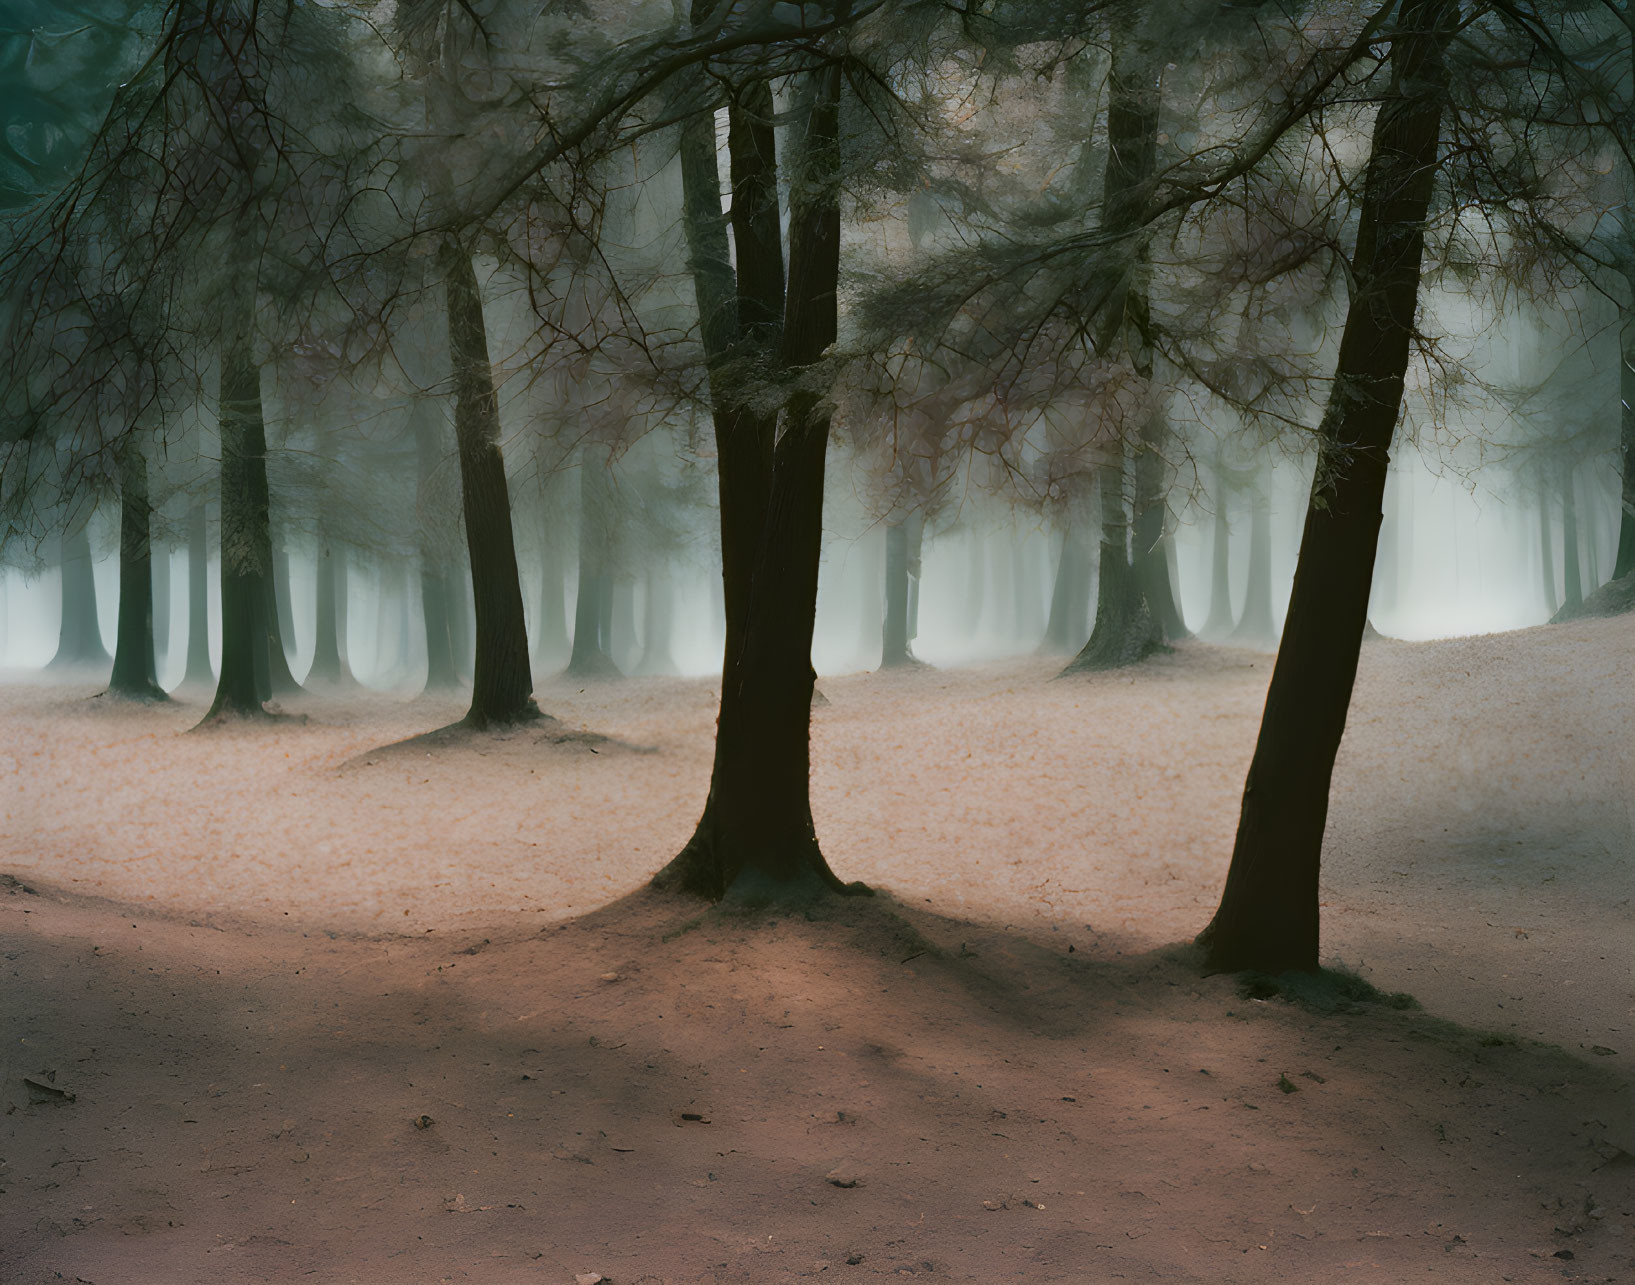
(545, 732)
(666, 1090)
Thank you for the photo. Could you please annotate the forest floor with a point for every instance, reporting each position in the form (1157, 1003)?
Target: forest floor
(282, 1003)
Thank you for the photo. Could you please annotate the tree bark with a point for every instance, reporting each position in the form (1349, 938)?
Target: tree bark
(1124, 631)
(246, 548)
(1127, 627)
(198, 600)
(135, 674)
(502, 681)
(756, 838)
(79, 639)
(1268, 915)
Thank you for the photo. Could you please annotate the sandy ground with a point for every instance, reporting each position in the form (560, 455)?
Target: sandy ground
(258, 956)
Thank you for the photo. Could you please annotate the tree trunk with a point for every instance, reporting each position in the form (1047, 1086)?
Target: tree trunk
(246, 549)
(198, 600)
(756, 837)
(329, 655)
(1219, 623)
(502, 682)
(1125, 631)
(1255, 625)
(1625, 562)
(79, 639)
(135, 674)
(593, 606)
(1127, 627)
(1150, 543)
(894, 633)
(1572, 577)
(1547, 554)
(436, 594)
(1268, 915)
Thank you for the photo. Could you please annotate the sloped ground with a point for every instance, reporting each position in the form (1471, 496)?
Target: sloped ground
(330, 946)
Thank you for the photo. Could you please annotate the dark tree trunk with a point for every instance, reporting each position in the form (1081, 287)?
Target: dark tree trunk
(329, 656)
(135, 674)
(1125, 630)
(246, 548)
(1220, 620)
(1255, 625)
(593, 605)
(79, 639)
(1128, 627)
(198, 600)
(1268, 916)
(1572, 576)
(894, 648)
(756, 837)
(502, 682)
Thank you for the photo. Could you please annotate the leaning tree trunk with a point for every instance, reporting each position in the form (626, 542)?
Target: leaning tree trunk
(79, 640)
(135, 674)
(756, 836)
(502, 681)
(1268, 915)
(198, 600)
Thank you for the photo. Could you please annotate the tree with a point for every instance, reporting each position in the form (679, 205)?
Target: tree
(1268, 915)
(756, 836)
(134, 672)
